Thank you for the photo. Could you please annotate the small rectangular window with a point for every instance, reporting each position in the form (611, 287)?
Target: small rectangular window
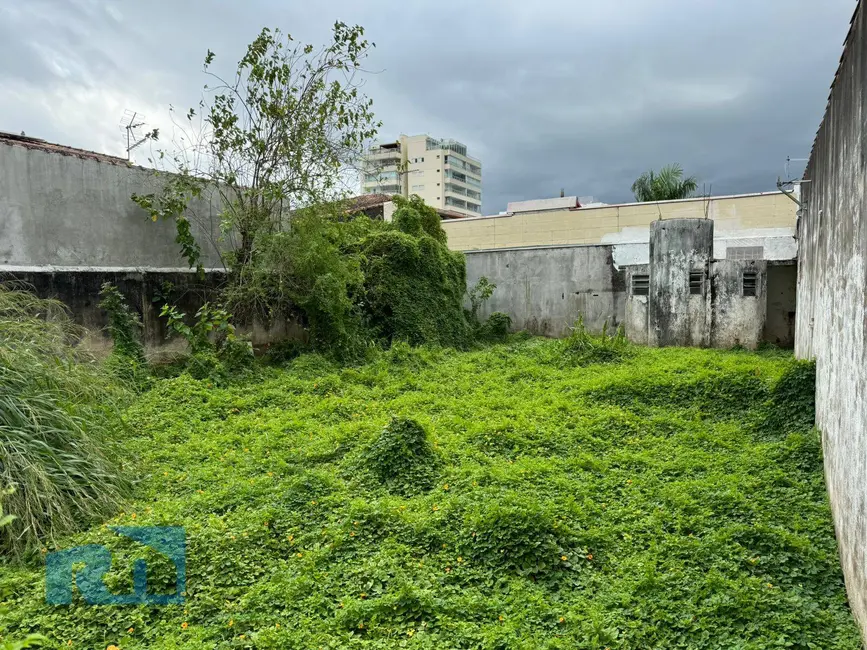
(696, 283)
(745, 252)
(640, 285)
(749, 283)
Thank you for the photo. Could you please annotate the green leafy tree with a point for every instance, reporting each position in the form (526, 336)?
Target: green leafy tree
(279, 134)
(667, 185)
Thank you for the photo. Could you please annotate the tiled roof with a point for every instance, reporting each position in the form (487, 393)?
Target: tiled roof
(367, 201)
(12, 139)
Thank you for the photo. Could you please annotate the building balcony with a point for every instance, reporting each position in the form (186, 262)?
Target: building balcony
(381, 157)
(462, 177)
(382, 176)
(463, 205)
(463, 166)
(463, 191)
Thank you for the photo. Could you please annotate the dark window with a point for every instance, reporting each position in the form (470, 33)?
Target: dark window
(640, 285)
(696, 283)
(749, 283)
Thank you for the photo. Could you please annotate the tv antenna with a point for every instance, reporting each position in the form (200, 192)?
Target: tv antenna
(791, 186)
(131, 126)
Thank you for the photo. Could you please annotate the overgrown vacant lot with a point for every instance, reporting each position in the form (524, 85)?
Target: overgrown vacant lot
(671, 500)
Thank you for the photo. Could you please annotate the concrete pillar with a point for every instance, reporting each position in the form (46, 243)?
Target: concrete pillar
(679, 307)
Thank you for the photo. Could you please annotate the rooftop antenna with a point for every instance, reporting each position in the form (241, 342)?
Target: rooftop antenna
(131, 124)
(794, 183)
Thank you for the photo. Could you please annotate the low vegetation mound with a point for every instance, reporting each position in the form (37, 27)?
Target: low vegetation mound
(401, 458)
(498, 498)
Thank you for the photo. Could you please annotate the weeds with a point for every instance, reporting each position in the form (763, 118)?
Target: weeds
(570, 506)
(582, 348)
(127, 360)
(124, 325)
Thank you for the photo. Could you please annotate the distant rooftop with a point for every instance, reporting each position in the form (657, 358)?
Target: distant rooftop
(541, 205)
(28, 142)
(371, 201)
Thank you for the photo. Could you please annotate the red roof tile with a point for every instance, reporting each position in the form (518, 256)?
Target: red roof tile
(49, 147)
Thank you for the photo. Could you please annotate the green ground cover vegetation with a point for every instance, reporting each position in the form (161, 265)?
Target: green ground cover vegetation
(523, 495)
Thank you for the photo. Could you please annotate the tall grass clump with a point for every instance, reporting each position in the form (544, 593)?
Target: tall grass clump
(582, 348)
(56, 419)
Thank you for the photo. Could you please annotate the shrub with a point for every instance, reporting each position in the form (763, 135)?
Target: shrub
(719, 393)
(414, 285)
(56, 419)
(217, 352)
(792, 405)
(479, 294)
(496, 328)
(401, 458)
(582, 347)
(518, 534)
(314, 271)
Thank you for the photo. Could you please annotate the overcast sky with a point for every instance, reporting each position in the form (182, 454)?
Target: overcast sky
(576, 94)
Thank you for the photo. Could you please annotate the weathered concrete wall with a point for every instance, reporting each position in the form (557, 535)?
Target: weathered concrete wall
(738, 319)
(66, 210)
(782, 285)
(832, 298)
(677, 248)
(544, 290)
(694, 300)
(637, 308)
(145, 293)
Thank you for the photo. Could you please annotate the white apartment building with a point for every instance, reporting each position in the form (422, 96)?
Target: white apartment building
(439, 171)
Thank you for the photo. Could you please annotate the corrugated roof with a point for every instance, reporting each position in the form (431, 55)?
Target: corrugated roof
(38, 144)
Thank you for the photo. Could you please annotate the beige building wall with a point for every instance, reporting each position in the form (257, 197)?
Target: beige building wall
(742, 219)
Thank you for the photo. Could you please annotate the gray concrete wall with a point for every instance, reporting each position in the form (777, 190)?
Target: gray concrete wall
(719, 313)
(832, 298)
(66, 210)
(738, 320)
(636, 307)
(678, 247)
(145, 293)
(544, 290)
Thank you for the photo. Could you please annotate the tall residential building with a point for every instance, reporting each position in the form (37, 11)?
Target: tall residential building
(439, 171)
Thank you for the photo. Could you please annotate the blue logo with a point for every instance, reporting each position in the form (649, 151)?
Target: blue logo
(60, 574)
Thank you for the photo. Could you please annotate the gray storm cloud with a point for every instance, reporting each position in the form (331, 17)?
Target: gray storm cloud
(576, 95)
